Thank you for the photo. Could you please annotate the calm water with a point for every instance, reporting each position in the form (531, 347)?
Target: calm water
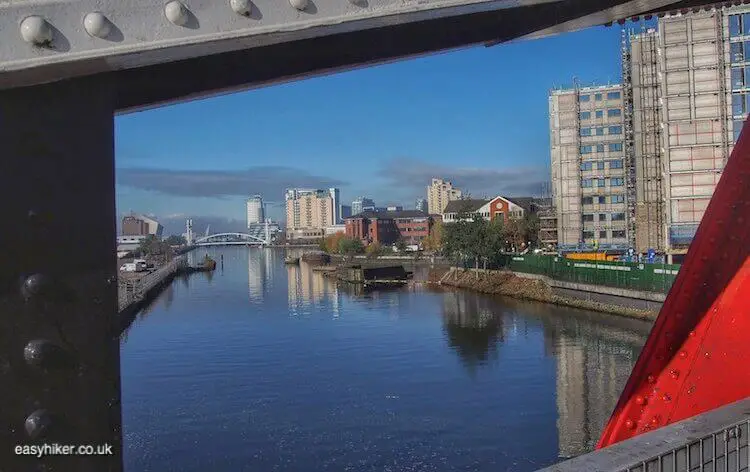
(262, 367)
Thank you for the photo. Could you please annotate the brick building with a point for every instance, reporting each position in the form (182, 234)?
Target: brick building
(488, 209)
(387, 227)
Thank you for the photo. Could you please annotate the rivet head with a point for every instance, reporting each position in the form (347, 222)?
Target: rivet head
(97, 25)
(683, 354)
(630, 424)
(640, 400)
(707, 354)
(44, 354)
(241, 7)
(36, 30)
(37, 424)
(34, 286)
(299, 4)
(176, 13)
(650, 379)
(692, 333)
(666, 397)
(675, 374)
(655, 421)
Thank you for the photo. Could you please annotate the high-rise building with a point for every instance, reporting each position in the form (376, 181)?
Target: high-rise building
(255, 213)
(336, 199)
(589, 178)
(439, 193)
(345, 211)
(361, 204)
(690, 100)
(421, 205)
(308, 209)
(140, 225)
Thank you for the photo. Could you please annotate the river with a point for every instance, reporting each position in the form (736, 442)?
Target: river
(263, 367)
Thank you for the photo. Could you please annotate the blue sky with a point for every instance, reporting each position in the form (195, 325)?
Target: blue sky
(476, 116)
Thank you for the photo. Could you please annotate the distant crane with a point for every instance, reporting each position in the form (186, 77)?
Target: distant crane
(208, 230)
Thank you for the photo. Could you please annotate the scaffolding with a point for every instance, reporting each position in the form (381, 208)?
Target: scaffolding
(579, 163)
(630, 173)
(640, 51)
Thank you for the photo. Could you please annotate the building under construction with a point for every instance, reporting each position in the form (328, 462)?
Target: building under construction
(588, 167)
(685, 97)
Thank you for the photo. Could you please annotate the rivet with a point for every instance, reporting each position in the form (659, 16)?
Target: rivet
(299, 4)
(630, 424)
(34, 285)
(675, 374)
(97, 25)
(651, 379)
(683, 354)
(176, 13)
(666, 397)
(44, 354)
(655, 421)
(692, 333)
(640, 400)
(241, 7)
(37, 424)
(36, 30)
(708, 354)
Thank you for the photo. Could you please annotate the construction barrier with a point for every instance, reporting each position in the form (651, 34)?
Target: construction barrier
(628, 275)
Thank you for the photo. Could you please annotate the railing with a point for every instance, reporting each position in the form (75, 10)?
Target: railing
(132, 291)
(717, 441)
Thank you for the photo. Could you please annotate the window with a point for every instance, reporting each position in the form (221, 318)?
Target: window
(615, 164)
(601, 199)
(735, 26)
(738, 104)
(745, 51)
(584, 98)
(615, 130)
(586, 183)
(602, 234)
(587, 200)
(617, 198)
(588, 217)
(613, 95)
(618, 217)
(600, 165)
(600, 148)
(618, 234)
(585, 131)
(597, 96)
(615, 147)
(736, 52)
(599, 113)
(586, 150)
(747, 75)
(600, 182)
(614, 112)
(600, 131)
(617, 182)
(602, 217)
(585, 115)
(588, 235)
(738, 77)
(586, 165)
(746, 24)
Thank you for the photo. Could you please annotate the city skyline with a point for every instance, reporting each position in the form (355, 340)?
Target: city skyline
(495, 145)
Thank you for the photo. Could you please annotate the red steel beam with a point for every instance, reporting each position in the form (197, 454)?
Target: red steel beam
(697, 356)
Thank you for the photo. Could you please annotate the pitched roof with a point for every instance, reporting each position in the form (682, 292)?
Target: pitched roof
(467, 205)
(390, 214)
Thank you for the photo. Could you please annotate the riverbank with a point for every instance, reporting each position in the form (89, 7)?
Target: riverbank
(409, 259)
(538, 289)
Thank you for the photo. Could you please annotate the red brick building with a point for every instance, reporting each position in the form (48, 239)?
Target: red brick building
(387, 227)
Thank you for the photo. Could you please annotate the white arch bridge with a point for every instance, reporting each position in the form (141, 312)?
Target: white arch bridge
(228, 239)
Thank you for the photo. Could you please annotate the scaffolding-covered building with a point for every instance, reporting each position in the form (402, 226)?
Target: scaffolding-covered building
(588, 167)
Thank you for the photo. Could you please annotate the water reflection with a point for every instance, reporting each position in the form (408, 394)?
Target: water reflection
(307, 289)
(473, 328)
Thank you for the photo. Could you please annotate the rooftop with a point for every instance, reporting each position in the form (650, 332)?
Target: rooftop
(390, 214)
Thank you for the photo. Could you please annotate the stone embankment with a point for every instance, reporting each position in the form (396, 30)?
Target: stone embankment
(509, 284)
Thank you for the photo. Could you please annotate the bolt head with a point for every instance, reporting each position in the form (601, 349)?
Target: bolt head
(97, 25)
(38, 424)
(299, 4)
(43, 354)
(36, 30)
(34, 286)
(241, 7)
(176, 13)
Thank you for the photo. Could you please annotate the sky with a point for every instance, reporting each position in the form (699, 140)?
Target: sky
(476, 116)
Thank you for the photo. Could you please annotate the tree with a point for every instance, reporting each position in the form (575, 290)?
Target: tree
(401, 246)
(151, 246)
(330, 243)
(175, 240)
(350, 247)
(373, 250)
(434, 242)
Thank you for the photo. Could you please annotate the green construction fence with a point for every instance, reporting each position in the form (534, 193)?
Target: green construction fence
(627, 275)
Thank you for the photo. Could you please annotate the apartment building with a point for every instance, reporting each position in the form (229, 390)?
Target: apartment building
(589, 180)
(439, 193)
(388, 227)
(361, 204)
(255, 213)
(309, 212)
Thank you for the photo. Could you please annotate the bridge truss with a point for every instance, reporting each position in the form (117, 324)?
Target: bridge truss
(226, 238)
